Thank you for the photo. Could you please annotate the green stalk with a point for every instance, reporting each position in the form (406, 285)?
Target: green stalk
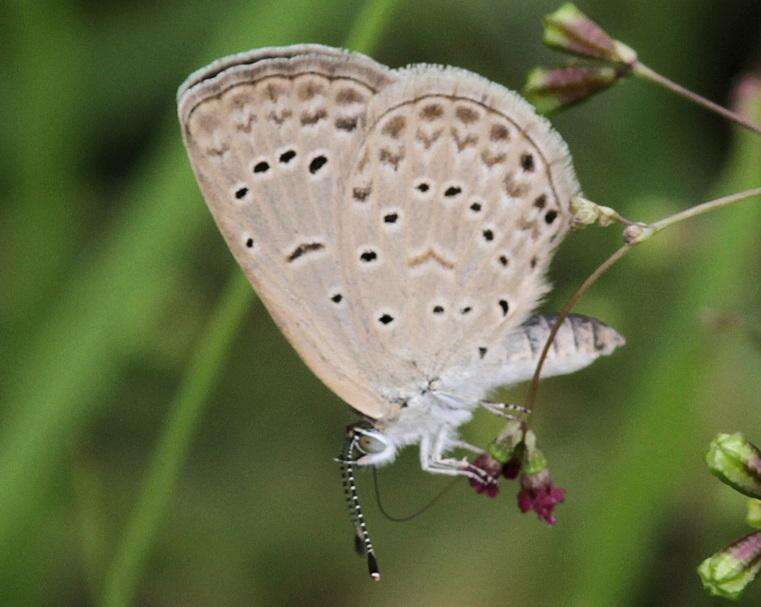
(660, 438)
(199, 380)
(369, 25)
(123, 578)
(58, 380)
(44, 148)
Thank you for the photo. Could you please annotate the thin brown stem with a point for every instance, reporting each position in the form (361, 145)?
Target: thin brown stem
(640, 69)
(705, 207)
(647, 230)
(585, 286)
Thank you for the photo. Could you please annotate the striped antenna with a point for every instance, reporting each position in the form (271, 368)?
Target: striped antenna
(363, 543)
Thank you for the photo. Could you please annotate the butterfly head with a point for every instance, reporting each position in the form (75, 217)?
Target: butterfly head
(372, 447)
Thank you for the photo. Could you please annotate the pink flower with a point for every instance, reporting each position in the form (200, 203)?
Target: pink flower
(493, 468)
(539, 494)
(512, 467)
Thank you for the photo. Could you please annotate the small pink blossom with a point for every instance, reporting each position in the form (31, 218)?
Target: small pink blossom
(539, 494)
(493, 468)
(512, 468)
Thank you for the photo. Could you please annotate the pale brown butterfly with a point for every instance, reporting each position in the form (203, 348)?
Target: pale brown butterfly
(398, 225)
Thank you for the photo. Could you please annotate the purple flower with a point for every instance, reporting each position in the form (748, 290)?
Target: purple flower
(493, 468)
(512, 467)
(539, 494)
(516, 456)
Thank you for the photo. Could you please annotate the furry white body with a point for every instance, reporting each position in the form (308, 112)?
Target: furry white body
(433, 415)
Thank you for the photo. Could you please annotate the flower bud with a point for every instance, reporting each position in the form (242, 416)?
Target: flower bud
(551, 89)
(503, 447)
(570, 30)
(538, 492)
(728, 572)
(535, 461)
(512, 467)
(736, 462)
(585, 212)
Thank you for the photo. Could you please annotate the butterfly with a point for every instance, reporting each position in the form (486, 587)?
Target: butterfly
(397, 224)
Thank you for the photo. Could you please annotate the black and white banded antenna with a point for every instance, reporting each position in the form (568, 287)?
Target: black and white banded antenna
(362, 541)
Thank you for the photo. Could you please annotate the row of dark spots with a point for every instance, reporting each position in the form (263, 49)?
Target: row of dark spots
(437, 310)
(488, 236)
(540, 203)
(450, 192)
(286, 157)
(475, 207)
(263, 166)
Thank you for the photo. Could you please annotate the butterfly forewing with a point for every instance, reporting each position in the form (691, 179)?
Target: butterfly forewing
(396, 224)
(458, 198)
(272, 136)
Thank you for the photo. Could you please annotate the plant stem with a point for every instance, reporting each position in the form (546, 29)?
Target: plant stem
(124, 575)
(369, 25)
(65, 366)
(648, 471)
(646, 231)
(705, 207)
(565, 311)
(640, 69)
(158, 487)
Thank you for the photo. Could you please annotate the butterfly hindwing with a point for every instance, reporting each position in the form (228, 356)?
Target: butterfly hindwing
(465, 194)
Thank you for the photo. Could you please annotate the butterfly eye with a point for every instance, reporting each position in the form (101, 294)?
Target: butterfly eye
(371, 444)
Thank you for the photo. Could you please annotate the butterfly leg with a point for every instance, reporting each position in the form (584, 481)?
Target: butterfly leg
(501, 409)
(432, 458)
(427, 464)
(461, 444)
(430, 463)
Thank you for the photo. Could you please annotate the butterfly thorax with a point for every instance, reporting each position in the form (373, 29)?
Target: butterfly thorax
(421, 419)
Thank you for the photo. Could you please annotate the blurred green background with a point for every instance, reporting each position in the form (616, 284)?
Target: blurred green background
(115, 354)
